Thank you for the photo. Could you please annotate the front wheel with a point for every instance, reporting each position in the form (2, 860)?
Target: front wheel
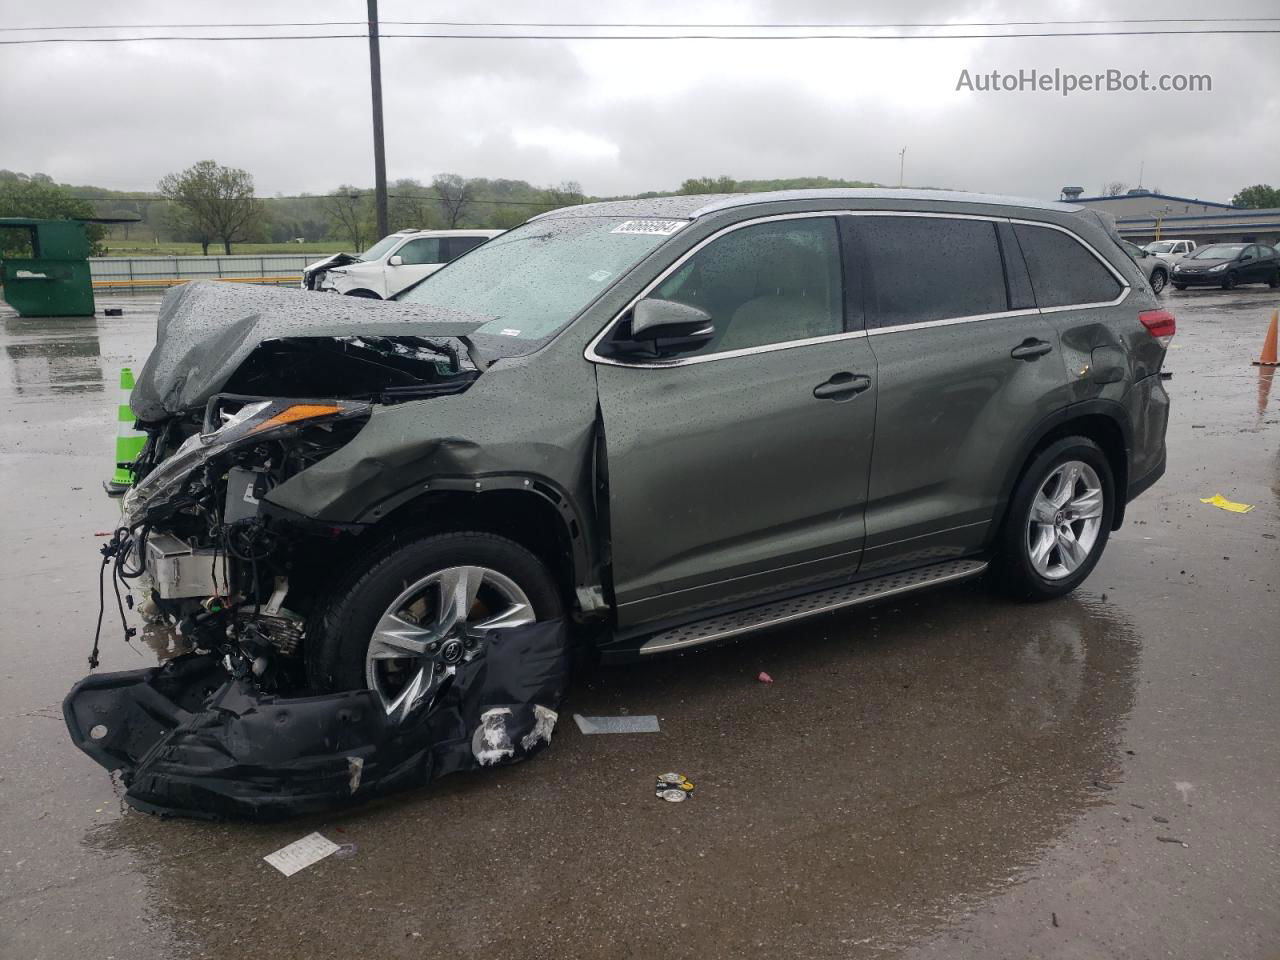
(1179, 286)
(1058, 520)
(1229, 282)
(417, 611)
(1158, 279)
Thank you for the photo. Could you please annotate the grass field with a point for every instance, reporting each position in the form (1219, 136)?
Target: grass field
(172, 248)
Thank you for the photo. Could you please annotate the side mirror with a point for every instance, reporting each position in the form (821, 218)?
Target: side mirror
(396, 260)
(662, 327)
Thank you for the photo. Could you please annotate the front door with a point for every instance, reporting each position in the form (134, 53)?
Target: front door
(740, 469)
(419, 258)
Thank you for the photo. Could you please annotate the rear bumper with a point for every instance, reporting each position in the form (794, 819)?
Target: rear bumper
(1146, 481)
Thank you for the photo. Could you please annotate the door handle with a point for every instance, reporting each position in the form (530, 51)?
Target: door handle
(1030, 349)
(842, 386)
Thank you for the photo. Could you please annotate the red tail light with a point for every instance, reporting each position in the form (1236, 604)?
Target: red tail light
(1160, 324)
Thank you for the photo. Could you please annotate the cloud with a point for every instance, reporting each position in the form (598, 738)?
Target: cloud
(630, 116)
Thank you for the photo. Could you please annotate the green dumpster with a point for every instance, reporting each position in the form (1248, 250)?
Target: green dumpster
(54, 282)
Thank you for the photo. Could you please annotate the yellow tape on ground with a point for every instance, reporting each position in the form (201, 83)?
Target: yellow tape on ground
(1222, 503)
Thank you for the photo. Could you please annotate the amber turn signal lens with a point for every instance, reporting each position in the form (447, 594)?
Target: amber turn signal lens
(299, 411)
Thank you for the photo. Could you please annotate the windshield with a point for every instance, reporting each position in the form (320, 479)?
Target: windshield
(530, 282)
(1160, 246)
(379, 249)
(1219, 251)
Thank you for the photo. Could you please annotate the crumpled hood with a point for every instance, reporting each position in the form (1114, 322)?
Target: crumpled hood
(206, 330)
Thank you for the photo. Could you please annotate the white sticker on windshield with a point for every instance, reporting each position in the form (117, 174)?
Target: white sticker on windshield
(662, 228)
(600, 276)
(509, 332)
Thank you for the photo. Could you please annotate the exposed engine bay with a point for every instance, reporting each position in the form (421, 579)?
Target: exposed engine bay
(245, 390)
(195, 544)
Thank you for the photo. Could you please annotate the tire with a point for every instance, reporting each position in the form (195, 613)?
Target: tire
(363, 294)
(340, 631)
(1229, 282)
(1060, 572)
(1179, 286)
(1158, 279)
(1274, 281)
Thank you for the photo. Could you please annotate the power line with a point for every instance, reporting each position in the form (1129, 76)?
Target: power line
(639, 37)
(651, 26)
(685, 36)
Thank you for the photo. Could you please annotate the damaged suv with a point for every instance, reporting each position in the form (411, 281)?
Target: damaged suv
(680, 419)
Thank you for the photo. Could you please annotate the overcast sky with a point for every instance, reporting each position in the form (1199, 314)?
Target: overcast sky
(624, 116)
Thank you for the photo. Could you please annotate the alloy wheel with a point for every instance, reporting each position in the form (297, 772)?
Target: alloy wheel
(1064, 521)
(435, 625)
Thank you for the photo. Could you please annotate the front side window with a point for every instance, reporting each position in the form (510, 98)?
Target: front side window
(767, 283)
(931, 268)
(421, 250)
(1063, 271)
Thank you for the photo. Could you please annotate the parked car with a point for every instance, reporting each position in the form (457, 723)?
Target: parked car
(1153, 268)
(671, 421)
(1170, 250)
(393, 263)
(1228, 265)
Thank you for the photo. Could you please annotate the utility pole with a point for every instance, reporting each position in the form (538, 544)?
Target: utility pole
(902, 160)
(379, 150)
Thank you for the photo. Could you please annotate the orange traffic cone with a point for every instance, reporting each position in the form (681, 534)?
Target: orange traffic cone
(1268, 358)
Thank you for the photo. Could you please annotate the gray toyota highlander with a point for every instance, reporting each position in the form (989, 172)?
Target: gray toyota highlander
(669, 421)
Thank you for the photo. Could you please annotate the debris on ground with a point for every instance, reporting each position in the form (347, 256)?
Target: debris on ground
(1222, 503)
(1160, 819)
(672, 787)
(764, 677)
(301, 854)
(624, 724)
(1171, 840)
(192, 740)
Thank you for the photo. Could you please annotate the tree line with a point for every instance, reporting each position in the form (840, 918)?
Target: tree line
(212, 204)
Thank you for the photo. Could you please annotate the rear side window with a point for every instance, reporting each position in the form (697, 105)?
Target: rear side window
(1062, 271)
(931, 268)
(455, 247)
(768, 283)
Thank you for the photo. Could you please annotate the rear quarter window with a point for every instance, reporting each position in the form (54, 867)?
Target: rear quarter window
(931, 268)
(1063, 271)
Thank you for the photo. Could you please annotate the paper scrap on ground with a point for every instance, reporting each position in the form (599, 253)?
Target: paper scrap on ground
(1222, 503)
(301, 854)
(616, 724)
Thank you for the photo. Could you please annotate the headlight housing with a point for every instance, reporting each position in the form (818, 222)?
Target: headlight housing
(232, 421)
(1219, 268)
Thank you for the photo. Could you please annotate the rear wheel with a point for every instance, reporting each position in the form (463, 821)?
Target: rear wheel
(416, 612)
(1058, 521)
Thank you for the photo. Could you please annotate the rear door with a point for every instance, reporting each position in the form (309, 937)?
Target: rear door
(740, 470)
(966, 369)
(418, 258)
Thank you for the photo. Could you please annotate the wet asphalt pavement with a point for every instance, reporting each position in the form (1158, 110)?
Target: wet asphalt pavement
(949, 775)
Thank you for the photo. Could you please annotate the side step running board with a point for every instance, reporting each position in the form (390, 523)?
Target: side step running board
(810, 604)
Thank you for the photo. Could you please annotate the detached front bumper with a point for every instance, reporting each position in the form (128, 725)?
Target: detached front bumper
(190, 740)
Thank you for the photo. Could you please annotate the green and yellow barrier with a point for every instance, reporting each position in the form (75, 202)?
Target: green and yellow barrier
(129, 441)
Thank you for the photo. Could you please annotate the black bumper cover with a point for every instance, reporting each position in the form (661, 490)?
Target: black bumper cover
(190, 741)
